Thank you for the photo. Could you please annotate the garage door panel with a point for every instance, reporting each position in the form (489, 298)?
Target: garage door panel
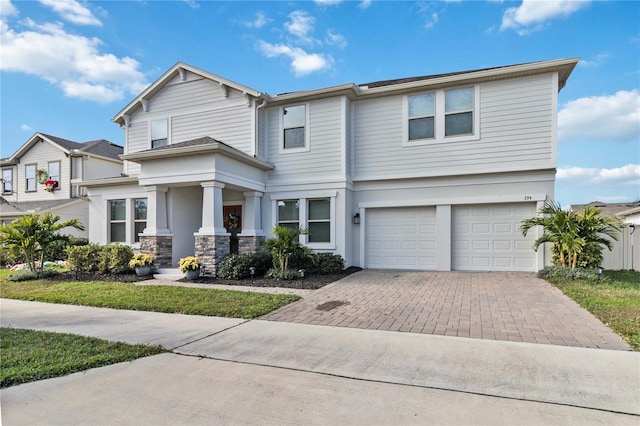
(400, 238)
(488, 237)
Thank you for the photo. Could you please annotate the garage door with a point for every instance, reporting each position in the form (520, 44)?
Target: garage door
(488, 238)
(401, 238)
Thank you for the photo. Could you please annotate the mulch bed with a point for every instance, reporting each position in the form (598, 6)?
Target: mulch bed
(308, 283)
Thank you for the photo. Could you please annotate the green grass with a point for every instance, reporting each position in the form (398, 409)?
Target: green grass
(29, 355)
(615, 302)
(180, 300)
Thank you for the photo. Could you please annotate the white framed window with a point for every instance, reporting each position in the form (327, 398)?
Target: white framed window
(139, 217)
(295, 128)
(441, 116)
(314, 211)
(117, 221)
(159, 133)
(30, 177)
(7, 181)
(54, 172)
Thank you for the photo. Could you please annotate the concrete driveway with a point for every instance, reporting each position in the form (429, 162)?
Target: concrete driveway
(510, 306)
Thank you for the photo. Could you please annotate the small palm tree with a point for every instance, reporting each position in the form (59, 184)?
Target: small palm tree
(577, 239)
(33, 235)
(283, 243)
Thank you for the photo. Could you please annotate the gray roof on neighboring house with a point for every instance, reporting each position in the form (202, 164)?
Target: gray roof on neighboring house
(101, 147)
(8, 208)
(606, 209)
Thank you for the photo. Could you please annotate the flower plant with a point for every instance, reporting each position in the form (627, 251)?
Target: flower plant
(189, 263)
(140, 260)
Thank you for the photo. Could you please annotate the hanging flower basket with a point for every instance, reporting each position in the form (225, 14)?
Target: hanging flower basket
(50, 185)
(42, 175)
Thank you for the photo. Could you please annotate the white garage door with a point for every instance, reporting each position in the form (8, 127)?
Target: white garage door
(488, 238)
(401, 238)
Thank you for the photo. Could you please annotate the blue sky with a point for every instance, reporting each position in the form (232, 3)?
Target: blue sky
(68, 66)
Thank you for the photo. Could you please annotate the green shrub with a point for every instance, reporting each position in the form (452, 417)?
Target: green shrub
(564, 272)
(115, 258)
(287, 274)
(328, 264)
(57, 250)
(84, 258)
(237, 266)
(301, 257)
(27, 275)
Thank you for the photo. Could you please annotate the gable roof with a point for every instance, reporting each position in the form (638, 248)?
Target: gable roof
(179, 69)
(102, 147)
(606, 209)
(18, 208)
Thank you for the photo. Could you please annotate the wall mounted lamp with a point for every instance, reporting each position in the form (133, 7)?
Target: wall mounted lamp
(356, 219)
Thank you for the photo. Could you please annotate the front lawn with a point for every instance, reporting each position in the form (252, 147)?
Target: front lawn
(179, 300)
(29, 355)
(615, 302)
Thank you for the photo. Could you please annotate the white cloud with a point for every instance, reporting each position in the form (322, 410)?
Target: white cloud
(72, 11)
(7, 9)
(596, 61)
(300, 26)
(431, 21)
(610, 117)
(193, 4)
(260, 21)
(75, 64)
(335, 39)
(327, 2)
(26, 128)
(364, 4)
(629, 172)
(531, 15)
(302, 63)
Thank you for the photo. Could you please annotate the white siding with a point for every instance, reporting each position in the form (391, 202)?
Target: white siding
(516, 133)
(324, 158)
(349, 140)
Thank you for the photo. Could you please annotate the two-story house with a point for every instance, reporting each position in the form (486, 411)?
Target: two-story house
(433, 172)
(39, 177)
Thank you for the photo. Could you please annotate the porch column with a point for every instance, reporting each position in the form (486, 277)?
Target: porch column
(212, 239)
(252, 234)
(156, 239)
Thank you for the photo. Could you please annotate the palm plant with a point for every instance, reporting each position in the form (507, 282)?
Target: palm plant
(283, 244)
(33, 235)
(577, 239)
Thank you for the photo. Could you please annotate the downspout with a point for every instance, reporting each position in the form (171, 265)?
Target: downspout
(256, 137)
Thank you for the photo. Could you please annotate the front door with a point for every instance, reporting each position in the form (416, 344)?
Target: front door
(233, 224)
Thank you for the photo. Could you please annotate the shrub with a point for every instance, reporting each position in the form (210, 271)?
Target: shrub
(328, 264)
(115, 258)
(237, 266)
(567, 273)
(84, 258)
(57, 251)
(287, 274)
(27, 275)
(301, 257)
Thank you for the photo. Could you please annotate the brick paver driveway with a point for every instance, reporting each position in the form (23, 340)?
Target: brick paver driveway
(511, 306)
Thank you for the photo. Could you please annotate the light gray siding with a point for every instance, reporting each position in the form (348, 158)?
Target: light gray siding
(349, 140)
(516, 132)
(323, 160)
(41, 154)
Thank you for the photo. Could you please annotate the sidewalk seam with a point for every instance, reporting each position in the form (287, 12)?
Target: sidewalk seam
(209, 335)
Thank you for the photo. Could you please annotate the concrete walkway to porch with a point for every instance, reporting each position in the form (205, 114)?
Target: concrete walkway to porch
(509, 306)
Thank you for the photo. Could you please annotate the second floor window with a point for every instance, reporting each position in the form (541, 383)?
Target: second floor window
(54, 172)
(159, 133)
(422, 113)
(7, 181)
(458, 108)
(30, 177)
(294, 126)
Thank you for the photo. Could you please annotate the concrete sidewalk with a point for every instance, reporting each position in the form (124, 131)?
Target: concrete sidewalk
(236, 371)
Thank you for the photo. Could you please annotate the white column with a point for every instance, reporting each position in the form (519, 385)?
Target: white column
(443, 238)
(252, 220)
(212, 219)
(156, 211)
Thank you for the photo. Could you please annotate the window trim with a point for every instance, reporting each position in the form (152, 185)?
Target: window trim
(167, 122)
(26, 178)
(440, 114)
(4, 182)
(59, 163)
(136, 236)
(307, 141)
(129, 220)
(111, 221)
(303, 215)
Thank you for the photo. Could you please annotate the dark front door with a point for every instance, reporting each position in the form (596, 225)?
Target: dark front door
(233, 224)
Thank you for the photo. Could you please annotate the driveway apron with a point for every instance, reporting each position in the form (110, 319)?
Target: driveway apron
(510, 306)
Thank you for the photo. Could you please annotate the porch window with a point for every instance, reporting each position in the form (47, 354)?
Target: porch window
(54, 172)
(319, 220)
(140, 217)
(159, 132)
(30, 177)
(117, 221)
(7, 181)
(289, 213)
(294, 120)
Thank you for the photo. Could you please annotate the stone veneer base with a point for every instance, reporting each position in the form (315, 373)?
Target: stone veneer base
(211, 249)
(158, 246)
(249, 243)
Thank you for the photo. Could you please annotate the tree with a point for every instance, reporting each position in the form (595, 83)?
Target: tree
(578, 239)
(284, 244)
(33, 236)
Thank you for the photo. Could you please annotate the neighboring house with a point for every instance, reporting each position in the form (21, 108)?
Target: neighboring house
(433, 172)
(626, 250)
(46, 159)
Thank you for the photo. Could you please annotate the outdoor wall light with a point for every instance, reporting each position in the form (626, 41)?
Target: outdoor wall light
(356, 219)
(301, 273)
